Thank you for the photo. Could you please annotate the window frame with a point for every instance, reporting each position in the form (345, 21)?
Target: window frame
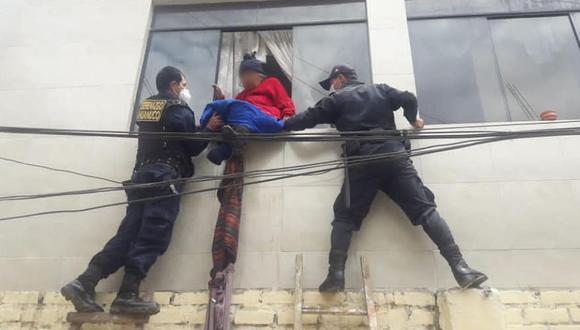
(488, 16)
(225, 29)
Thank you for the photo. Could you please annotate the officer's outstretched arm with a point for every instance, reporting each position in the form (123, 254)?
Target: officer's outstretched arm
(182, 120)
(324, 112)
(402, 99)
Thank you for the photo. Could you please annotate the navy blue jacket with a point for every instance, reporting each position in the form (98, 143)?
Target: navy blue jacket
(358, 107)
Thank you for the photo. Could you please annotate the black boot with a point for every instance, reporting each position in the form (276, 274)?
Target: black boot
(81, 292)
(334, 281)
(465, 276)
(440, 234)
(128, 300)
(233, 133)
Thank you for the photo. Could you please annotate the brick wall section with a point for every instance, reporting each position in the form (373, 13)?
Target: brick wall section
(256, 309)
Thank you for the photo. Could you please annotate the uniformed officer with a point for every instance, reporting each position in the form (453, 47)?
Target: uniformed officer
(145, 232)
(355, 106)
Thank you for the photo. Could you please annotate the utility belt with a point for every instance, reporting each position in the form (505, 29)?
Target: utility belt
(352, 147)
(174, 162)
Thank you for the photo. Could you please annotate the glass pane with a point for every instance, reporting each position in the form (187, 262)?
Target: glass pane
(430, 8)
(455, 70)
(258, 14)
(540, 62)
(317, 49)
(193, 52)
(205, 16)
(313, 11)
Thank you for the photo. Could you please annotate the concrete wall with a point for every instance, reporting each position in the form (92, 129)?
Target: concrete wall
(513, 205)
(266, 309)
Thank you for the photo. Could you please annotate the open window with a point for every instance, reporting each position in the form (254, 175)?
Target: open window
(299, 40)
(272, 47)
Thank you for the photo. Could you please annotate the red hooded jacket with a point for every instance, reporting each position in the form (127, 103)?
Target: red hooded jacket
(271, 97)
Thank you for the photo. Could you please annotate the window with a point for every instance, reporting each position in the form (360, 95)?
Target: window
(497, 68)
(299, 40)
(539, 60)
(194, 52)
(258, 14)
(455, 70)
(318, 48)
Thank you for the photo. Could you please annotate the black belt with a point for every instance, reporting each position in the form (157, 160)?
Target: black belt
(171, 161)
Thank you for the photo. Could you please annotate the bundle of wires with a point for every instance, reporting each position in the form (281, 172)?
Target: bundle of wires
(468, 135)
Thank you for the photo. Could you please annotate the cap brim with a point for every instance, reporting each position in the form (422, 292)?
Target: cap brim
(326, 84)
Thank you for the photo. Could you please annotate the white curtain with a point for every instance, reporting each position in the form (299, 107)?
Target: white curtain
(225, 77)
(236, 44)
(279, 44)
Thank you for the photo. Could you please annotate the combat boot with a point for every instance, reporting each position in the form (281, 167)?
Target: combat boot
(82, 298)
(233, 134)
(334, 281)
(465, 276)
(128, 300)
(81, 292)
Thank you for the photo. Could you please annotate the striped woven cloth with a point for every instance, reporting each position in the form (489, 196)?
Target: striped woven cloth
(225, 239)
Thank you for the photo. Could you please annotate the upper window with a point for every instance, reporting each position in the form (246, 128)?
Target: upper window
(539, 60)
(490, 69)
(258, 14)
(299, 41)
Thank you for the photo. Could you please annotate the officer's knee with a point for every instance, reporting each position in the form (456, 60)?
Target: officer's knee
(427, 217)
(344, 225)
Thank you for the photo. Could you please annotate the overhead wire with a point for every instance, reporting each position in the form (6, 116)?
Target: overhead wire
(275, 173)
(6, 159)
(285, 136)
(508, 135)
(422, 151)
(263, 172)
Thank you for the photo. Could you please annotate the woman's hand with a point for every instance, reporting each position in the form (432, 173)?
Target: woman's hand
(218, 94)
(215, 123)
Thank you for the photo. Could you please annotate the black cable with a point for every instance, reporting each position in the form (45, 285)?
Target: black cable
(433, 133)
(458, 145)
(58, 170)
(248, 174)
(262, 173)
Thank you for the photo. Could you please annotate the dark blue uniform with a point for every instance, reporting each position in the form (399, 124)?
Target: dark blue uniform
(362, 107)
(145, 232)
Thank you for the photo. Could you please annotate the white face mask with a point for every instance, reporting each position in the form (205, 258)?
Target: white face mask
(185, 95)
(332, 89)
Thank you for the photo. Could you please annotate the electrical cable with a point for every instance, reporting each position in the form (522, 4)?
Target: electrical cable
(433, 133)
(452, 146)
(58, 170)
(262, 173)
(248, 174)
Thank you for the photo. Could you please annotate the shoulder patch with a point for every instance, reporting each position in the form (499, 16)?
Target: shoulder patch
(151, 110)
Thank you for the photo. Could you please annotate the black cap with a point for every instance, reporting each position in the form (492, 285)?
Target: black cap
(344, 69)
(250, 63)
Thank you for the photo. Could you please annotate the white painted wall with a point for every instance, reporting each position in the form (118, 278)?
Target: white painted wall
(513, 205)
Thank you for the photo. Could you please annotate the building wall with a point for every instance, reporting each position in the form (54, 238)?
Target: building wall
(266, 309)
(513, 205)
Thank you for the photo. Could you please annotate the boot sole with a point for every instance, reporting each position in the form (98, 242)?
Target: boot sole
(70, 295)
(476, 282)
(337, 290)
(133, 311)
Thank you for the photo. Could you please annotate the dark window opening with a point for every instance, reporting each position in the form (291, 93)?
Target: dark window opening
(488, 69)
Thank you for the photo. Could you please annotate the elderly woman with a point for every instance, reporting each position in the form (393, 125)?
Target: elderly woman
(266, 93)
(259, 108)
